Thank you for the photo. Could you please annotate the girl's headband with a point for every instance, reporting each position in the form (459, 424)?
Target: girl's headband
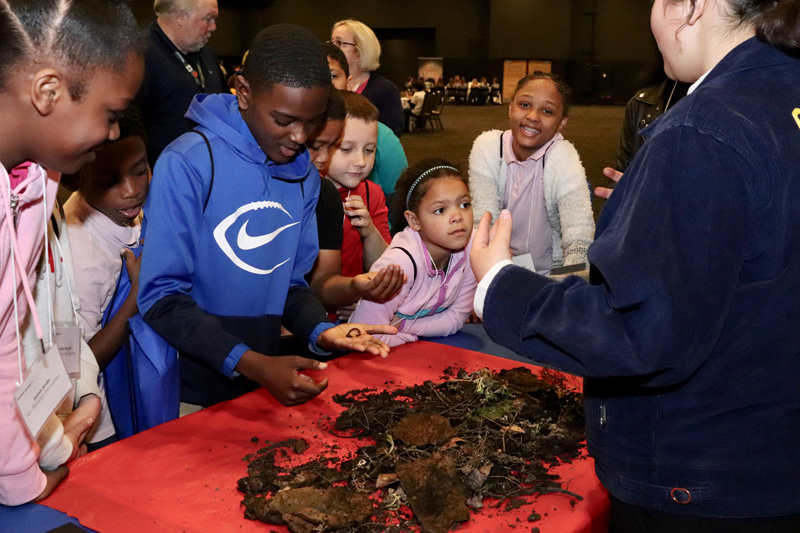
(416, 181)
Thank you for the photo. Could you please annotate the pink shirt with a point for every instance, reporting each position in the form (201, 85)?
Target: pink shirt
(524, 197)
(21, 480)
(432, 303)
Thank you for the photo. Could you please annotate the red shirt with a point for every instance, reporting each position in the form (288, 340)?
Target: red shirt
(352, 247)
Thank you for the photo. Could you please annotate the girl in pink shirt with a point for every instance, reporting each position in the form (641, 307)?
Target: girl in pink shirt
(66, 70)
(433, 250)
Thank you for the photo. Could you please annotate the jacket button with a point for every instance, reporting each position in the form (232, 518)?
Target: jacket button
(680, 495)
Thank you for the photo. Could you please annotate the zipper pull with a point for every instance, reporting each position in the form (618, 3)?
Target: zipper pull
(603, 415)
(15, 208)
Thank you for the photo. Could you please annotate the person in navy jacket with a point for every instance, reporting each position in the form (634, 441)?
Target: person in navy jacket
(230, 231)
(688, 333)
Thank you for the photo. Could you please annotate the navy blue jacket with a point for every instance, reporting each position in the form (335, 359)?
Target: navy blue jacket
(168, 89)
(689, 332)
(384, 95)
(223, 265)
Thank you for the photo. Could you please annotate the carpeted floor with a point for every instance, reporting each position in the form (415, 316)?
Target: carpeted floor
(594, 130)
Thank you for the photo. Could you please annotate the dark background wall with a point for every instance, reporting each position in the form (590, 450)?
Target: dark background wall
(598, 46)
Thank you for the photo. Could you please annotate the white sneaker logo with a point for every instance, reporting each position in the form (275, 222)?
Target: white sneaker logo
(245, 241)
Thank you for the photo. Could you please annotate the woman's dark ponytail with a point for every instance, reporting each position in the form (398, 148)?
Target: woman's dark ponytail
(780, 25)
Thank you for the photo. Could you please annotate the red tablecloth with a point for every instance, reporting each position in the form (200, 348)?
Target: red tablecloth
(181, 476)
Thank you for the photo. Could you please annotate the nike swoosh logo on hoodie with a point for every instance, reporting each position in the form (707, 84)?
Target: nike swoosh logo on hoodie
(247, 242)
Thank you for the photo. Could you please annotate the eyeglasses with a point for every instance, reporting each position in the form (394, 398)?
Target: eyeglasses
(338, 43)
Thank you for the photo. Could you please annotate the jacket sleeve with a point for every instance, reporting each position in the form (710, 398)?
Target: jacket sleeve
(573, 202)
(666, 269)
(452, 319)
(368, 312)
(628, 135)
(173, 220)
(484, 175)
(391, 108)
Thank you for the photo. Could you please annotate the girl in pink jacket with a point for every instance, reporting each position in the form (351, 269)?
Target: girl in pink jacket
(433, 249)
(67, 69)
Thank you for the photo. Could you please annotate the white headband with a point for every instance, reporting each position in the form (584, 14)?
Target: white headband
(416, 181)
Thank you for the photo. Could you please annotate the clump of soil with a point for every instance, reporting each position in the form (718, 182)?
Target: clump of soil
(435, 492)
(421, 429)
(305, 509)
(438, 448)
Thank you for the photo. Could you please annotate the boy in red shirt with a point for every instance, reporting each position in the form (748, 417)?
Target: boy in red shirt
(366, 221)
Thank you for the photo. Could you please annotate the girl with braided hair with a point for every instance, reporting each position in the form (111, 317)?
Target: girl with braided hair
(67, 70)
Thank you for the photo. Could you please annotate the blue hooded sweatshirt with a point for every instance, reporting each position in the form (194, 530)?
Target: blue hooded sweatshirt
(228, 245)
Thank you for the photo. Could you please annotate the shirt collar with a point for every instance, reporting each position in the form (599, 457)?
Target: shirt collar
(508, 150)
(124, 235)
(696, 84)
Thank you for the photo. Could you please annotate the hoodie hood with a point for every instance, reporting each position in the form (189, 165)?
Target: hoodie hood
(220, 114)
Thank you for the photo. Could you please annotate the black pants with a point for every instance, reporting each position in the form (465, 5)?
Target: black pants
(627, 518)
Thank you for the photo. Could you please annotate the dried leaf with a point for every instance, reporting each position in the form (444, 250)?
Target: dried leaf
(453, 443)
(385, 480)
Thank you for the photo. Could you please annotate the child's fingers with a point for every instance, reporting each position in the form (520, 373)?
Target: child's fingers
(304, 363)
(357, 213)
(354, 199)
(380, 329)
(308, 388)
(392, 284)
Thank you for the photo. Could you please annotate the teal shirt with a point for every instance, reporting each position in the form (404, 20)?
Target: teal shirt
(390, 160)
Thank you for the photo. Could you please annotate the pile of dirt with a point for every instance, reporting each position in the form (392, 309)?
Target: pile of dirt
(435, 451)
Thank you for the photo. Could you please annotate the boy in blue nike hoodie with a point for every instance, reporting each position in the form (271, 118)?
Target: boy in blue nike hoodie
(231, 231)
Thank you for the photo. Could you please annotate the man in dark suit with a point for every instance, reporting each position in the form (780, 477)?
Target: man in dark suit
(178, 66)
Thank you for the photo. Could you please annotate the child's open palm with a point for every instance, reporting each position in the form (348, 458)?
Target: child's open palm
(382, 285)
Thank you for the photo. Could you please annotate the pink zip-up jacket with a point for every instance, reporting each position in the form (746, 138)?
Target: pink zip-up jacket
(21, 479)
(432, 303)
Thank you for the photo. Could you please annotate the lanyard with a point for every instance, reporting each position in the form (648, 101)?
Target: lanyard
(197, 75)
(16, 261)
(56, 275)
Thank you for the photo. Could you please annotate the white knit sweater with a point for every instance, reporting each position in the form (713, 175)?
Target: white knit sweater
(567, 196)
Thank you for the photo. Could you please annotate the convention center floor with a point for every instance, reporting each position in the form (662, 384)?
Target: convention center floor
(594, 130)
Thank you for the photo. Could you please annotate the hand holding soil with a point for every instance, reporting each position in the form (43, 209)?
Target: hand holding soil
(281, 376)
(342, 337)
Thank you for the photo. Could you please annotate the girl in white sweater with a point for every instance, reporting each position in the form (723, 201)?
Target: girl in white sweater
(531, 170)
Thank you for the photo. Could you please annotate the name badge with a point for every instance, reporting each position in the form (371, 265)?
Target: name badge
(68, 340)
(524, 261)
(42, 391)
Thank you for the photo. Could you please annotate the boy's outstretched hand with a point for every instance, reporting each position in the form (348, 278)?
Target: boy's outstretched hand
(490, 246)
(356, 338)
(380, 286)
